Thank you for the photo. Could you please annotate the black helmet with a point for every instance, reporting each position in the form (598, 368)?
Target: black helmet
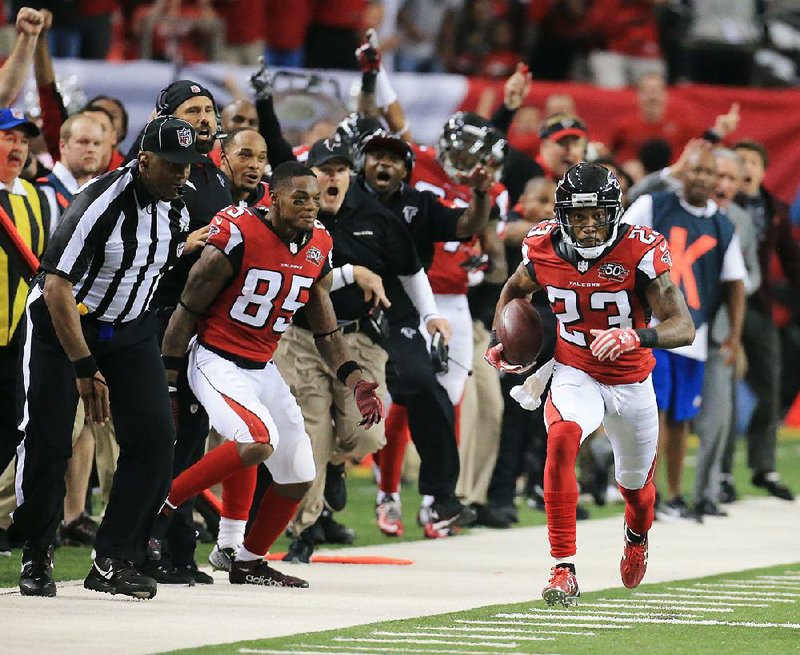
(589, 185)
(469, 140)
(354, 127)
(385, 139)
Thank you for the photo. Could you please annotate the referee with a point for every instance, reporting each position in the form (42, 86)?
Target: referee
(87, 318)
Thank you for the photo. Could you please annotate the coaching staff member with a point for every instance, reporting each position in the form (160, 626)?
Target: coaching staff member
(87, 318)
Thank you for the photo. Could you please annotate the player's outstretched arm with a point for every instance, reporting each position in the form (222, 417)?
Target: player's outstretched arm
(331, 345)
(676, 327)
(206, 279)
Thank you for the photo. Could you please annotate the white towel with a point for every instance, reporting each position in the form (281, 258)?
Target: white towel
(529, 393)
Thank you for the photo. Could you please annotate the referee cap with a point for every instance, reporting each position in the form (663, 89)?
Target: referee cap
(172, 139)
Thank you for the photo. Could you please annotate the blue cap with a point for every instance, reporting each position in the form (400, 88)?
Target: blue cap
(12, 117)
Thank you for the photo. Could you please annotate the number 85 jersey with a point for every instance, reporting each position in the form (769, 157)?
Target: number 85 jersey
(598, 294)
(270, 282)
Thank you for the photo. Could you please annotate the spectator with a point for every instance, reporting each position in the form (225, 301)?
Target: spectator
(473, 33)
(286, 32)
(333, 34)
(109, 154)
(706, 252)
(500, 60)
(760, 336)
(245, 25)
(428, 29)
(722, 39)
(564, 139)
(629, 47)
(652, 120)
(382, 17)
(554, 28)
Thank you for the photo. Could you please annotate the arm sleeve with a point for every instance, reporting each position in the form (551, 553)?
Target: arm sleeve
(53, 116)
(501, 119)
(640, 212)
(419, 290)
(279, 150)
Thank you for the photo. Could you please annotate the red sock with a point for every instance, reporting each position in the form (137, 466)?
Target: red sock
(640, 505)
(274, 514)
(457, 410)
(237, 494)
(215, 466)
(561, 486)
(391, 455)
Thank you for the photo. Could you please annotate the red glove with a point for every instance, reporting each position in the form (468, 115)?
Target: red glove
(610, 344)
(494, 356)
(369, 57)
(369, 405)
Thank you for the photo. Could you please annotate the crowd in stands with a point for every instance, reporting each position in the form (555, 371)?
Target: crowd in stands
(611, 43)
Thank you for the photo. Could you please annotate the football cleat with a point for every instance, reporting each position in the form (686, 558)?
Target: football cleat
(444, 517)
(36, 576)
(115, 576)
(390, 517)
(221, 558)
(258, 572)
(301, 549)
(633, 564)
(562, 588)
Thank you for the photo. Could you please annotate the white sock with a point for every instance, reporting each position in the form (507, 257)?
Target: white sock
(245, 555)
(560, 561)
(231, 533)
(427, 501)
(382, 495)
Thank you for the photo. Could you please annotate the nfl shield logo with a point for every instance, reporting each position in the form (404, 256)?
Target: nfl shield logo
(185, 137)
(583, 266)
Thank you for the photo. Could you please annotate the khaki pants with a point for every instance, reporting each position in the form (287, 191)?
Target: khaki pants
(481, 421)
(8, 496)
(106, 451)
(329, 410)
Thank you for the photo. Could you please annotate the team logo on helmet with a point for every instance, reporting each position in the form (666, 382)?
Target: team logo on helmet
(314, 255)
(185, 137)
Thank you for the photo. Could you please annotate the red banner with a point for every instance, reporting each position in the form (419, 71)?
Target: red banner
(769, 116)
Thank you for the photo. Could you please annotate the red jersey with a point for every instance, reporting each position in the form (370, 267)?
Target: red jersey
(271, 281)
(446, 274)
(598, 294)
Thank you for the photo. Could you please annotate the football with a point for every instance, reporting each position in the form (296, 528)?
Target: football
(521, 332)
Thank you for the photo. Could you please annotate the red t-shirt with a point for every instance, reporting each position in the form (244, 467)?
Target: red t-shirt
(631, 131)
(271, 281)
(344, 14)
(628, 26)
(286, 29)
(245, 20)
(597, 295)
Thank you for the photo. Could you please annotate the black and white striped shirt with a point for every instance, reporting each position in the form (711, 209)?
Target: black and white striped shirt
(114, 242)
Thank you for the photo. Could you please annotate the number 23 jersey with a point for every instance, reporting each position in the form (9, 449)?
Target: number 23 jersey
(598, 294)
(270, 282)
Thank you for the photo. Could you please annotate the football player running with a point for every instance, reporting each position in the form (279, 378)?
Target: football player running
(603, 279)
(260, 268)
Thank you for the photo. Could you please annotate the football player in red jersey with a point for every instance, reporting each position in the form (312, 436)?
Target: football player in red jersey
(262, 266)
(603, 280)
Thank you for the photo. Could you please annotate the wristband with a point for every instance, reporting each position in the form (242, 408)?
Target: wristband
(648, 337)
(189, 309)
(348, 274)
(85, 367)
(172, 363)
(344, 371)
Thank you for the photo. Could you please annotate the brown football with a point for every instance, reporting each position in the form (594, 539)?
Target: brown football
(521, 332)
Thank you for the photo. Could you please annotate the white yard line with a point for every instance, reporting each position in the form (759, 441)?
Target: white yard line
(422, 642)
(502, 630)
(394, 649)
(448, 575)
(552, 624)
(465, 638)
(536, 615)
(714, 597)
(616, 602)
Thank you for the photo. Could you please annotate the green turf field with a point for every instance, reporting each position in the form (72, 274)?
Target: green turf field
(73, 563)
(752, 612)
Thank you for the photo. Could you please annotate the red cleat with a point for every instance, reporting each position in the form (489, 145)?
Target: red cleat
(633, 564)
(562, 589)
